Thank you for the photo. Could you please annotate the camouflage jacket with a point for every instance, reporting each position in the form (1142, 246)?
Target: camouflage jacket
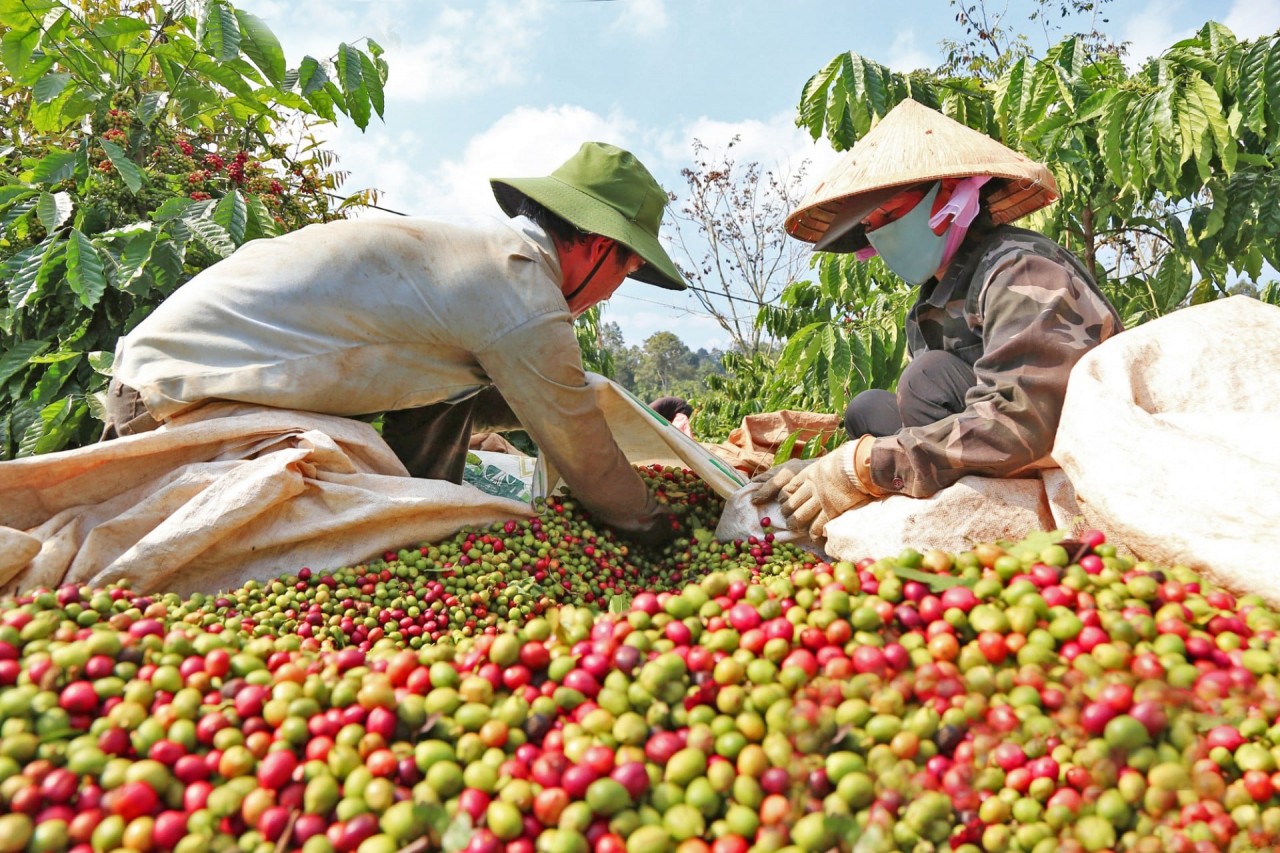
(1021, 310)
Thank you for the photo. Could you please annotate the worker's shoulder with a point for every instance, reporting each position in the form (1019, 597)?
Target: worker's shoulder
(408, 227)
(1008, 240)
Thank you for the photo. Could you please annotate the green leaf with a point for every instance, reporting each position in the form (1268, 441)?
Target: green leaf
(311, 76)
(840, 365)
(55, 428)
(173, 208)
(355, 97)
(373, 83)
(12, 193)
(232, 214)
(214, 237)
(53, 209)
(224, 75)
(322, 102)
(357, 103)
(16, 49)
(49, 87)
(102, 361)
(54, 167)
(24, 13)
(813, 98)
(350, 76)
(84, 269)
(134, 259)
(936, 583)
(262, 222)
(222, 32)
(262, 47)
(166, 264)
(118, 32)
(25, 267)
(151, 105)
(1251, 86)
(16, 212)
(458, 834)
(18, 356)
(127, 169)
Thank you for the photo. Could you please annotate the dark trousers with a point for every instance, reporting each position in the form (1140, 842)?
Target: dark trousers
(431, 441)
(932, 387)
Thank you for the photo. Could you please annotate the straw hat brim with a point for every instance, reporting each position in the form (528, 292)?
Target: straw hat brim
(593, 216)
(914, 144)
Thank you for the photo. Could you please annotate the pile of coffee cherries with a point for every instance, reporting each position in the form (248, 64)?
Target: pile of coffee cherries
(543, 686)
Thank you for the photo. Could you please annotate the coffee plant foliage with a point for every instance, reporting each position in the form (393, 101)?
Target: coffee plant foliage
(1167, 182)
(143, 142)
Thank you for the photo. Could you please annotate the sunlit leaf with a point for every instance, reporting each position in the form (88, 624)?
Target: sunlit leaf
(135, 256)
(119, 31)
(214, 237)
(262, 47)
(18, 356)
(55, 166)
(311, 76)
(84, 269)
(49, 87)
(53, 209)
(232, 214)
(373, 83)
(23, 13)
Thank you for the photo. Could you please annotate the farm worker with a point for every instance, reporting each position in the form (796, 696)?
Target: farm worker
(445, 325)
(1001, 316)
(676, 410)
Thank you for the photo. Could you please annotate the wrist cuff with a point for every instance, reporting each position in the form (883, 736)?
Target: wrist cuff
(862, 466)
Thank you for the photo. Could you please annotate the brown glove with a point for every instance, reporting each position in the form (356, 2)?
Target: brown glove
(776, 479)
(833, 485)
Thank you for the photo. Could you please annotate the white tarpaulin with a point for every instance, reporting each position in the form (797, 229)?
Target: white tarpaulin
(1169, 435)
(231, 492)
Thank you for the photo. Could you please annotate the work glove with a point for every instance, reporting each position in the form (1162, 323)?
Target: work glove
(773, 481)
(833, 485)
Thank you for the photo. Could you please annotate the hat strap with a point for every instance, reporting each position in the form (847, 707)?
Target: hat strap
(587, 279)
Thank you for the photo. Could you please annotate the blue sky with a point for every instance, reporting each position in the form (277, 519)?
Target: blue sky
(487, 88)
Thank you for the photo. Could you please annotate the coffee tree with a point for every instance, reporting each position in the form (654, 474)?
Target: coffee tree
(143, 142)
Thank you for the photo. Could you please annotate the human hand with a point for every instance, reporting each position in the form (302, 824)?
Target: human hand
(823, 491)
(773, 481)
(662, 531)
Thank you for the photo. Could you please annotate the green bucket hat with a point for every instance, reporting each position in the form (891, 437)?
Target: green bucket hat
(607, 191)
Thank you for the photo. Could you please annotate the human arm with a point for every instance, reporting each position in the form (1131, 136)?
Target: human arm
(1038, 314)
(538, 369)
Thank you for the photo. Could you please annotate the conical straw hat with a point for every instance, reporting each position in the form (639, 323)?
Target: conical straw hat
(914, 144)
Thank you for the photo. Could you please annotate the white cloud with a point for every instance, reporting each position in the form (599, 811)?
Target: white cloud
(776, 144)
(906, 56)
(466, 51)
(642, 17)
(460, 50)
(1253, 18)
(1150, 32)
(526, 141)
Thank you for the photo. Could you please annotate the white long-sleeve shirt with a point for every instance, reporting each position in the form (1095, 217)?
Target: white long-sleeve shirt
(362, 316)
